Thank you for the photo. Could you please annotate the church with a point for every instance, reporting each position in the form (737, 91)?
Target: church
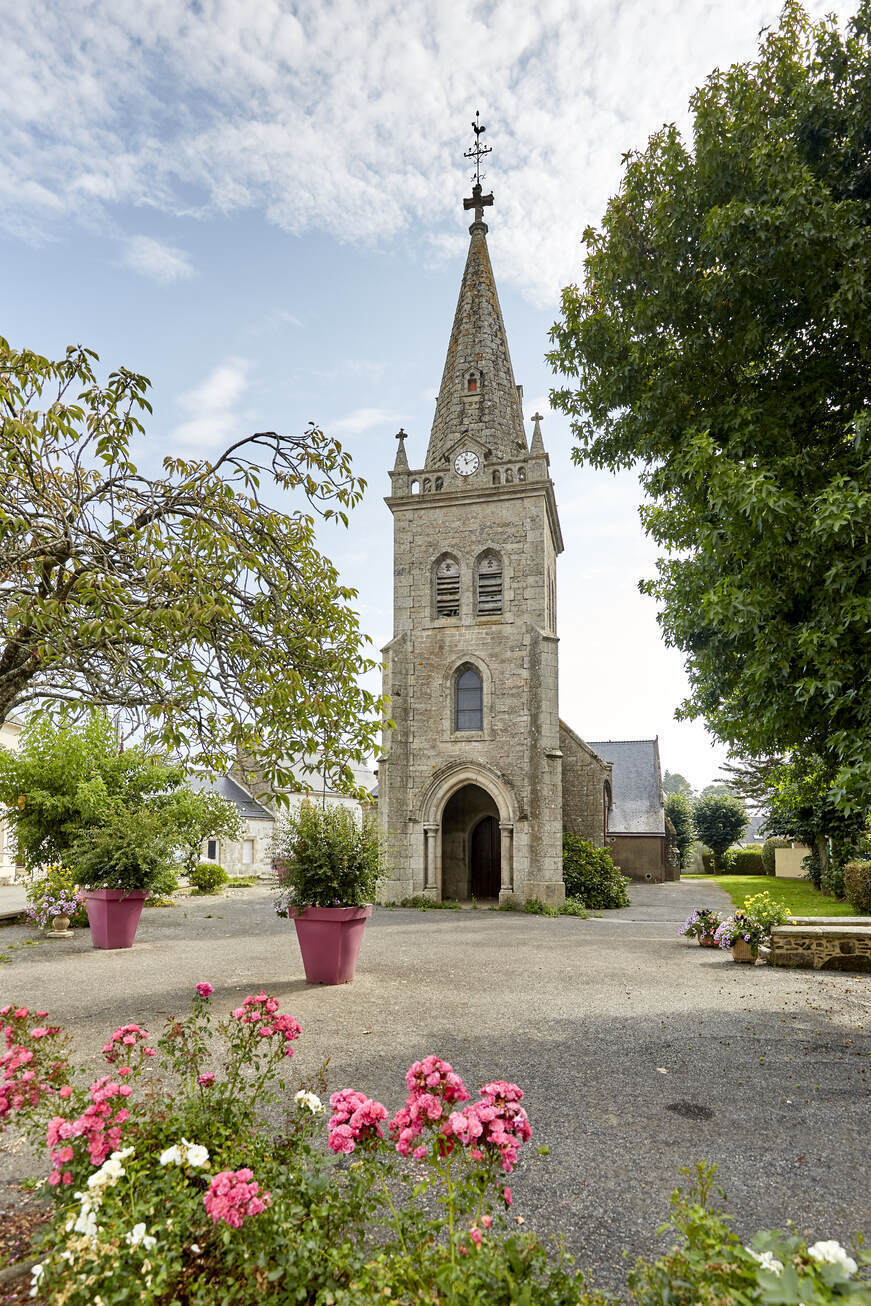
(479, 777)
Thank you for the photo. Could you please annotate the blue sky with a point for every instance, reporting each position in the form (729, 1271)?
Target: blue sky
(259, 207)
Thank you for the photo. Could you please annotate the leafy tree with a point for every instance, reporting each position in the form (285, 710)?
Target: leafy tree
(197, 815)
(182, 600)
(722, 343)
(720, 820)
(675, 783)
(717, 787)
(66, 776)
(678, 809)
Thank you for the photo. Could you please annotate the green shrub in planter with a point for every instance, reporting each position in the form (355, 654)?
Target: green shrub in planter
(590, 875)
(769, 849)
(324, 858)
(208, 877)
(130, 849)
(747, 861)
(857, 886)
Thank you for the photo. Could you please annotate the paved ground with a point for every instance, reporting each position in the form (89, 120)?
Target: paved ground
(639, 1052)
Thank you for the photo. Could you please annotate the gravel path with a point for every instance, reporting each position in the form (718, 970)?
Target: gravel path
(639, 1052)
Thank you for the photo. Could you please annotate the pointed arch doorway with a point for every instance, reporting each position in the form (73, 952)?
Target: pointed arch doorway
(471, 845)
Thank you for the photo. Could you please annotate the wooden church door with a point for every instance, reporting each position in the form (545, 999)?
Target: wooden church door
(486, 859)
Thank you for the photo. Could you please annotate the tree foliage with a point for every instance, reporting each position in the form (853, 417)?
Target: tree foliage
(678, 809)
(720, 820)
(182, 600)
(675, 783)
(722, 343)
(197, 815)
(67, 776)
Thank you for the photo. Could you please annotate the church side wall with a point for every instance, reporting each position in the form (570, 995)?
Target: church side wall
(584, 777)
(640, 856)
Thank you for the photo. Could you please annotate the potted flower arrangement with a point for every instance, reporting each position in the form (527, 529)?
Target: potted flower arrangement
(118, 862)
(701, 924)
(328, 865)
(740, 934)
(750, 926)
(54, 900)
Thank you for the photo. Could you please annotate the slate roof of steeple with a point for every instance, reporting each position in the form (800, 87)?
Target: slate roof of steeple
(478, 344)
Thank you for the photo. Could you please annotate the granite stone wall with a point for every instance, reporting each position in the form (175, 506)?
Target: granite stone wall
(586, 788)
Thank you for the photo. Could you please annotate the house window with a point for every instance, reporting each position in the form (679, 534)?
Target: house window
(212, 850)
(247, 852)
(490, 586)
(470, 700)
(447, 588)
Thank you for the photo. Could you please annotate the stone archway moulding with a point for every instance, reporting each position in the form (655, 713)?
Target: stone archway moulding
(453, 776)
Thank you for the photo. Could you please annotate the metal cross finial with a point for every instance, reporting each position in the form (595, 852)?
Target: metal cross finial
(401, 435)
(478, 202)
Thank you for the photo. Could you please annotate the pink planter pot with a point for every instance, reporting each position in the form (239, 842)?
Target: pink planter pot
(329, 940)
(113, 916)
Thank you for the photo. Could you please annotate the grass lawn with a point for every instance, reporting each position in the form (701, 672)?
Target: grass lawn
(799, 896)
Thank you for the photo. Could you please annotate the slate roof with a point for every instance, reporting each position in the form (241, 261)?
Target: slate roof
(636, 785)
(249, 808)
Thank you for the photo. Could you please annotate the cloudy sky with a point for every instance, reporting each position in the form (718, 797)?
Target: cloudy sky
(258, 205)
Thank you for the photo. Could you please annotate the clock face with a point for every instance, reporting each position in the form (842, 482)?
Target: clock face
(466, 463)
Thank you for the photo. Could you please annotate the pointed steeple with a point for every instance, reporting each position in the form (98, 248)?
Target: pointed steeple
(537, 445)
(401, 464)
(478, 396)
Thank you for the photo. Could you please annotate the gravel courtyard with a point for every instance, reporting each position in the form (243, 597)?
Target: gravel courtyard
(638, 1051)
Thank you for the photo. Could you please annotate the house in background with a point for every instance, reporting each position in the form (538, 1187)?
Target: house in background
(9, 733)
(638, 830)
(252, 853)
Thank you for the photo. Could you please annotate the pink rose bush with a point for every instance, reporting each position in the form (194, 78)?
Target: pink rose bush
(355, 1119)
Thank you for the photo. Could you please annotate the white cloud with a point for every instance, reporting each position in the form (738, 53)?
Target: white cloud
(152, 258)
(212, 407)
(363, 419)
(351, 117)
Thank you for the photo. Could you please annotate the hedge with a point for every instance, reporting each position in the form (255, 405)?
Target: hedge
(857, 886)
(746, 861)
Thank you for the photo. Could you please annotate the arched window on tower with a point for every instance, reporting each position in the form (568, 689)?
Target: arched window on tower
(489, 603)
(447, 588)
(472, 383)
(469, 700)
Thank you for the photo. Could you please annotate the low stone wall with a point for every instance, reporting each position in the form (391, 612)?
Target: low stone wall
(823, 943)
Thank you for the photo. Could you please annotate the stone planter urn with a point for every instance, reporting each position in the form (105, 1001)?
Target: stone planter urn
(741, 951)
(329, 940)
(60, 924)
(113, 916)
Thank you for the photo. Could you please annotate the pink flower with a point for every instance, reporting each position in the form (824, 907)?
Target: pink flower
(238, 1013)
(486, 1220)
(475, 1235)
(233, 1196)
(39, 1032)
(506, 1193)
(355, 1119)
(20, 1014)
(207, 1079)
(66, 1091)
(205, 989)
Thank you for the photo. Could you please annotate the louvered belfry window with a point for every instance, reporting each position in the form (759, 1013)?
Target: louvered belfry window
(448, 589)
(470, 700)
(489, 586)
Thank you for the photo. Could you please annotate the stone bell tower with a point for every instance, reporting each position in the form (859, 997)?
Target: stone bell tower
(470, 786)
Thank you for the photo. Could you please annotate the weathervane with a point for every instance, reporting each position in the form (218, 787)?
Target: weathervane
(477, 152)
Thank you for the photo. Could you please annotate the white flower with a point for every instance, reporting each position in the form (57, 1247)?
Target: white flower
(767, 1260)
(311, 1100)
(196, 1154)
(832, 1253)
(197, 1251)
(137, 1236)
(36, 1275)
(185, 1153)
